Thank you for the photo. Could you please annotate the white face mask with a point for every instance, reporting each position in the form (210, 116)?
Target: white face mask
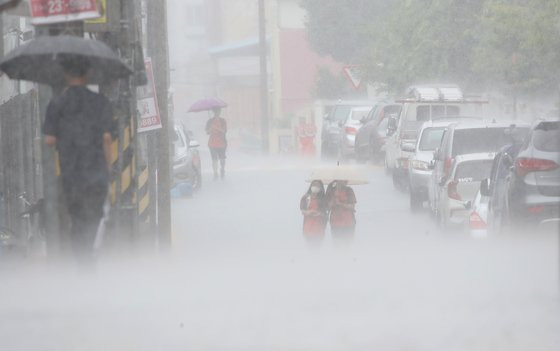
(315, 189)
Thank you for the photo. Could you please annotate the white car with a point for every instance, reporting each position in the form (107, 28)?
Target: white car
(458, 191)
(421, 161)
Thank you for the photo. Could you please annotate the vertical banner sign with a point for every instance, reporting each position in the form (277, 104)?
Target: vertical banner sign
(57, 11)
(103, 11)
(147, 105)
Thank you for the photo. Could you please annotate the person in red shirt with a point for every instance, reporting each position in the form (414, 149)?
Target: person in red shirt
(313, 206)
(216, 128)
(342, 202)
(306, 135)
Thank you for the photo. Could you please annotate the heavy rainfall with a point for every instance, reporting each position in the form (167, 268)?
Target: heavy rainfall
(280, 175)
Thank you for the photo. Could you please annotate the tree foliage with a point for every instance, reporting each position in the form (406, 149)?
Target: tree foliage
(513, 45)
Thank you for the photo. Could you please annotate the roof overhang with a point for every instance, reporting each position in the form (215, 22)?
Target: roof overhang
(245, 47)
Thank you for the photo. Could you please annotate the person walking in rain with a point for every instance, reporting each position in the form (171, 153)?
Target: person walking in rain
(313, 206)
(79, 123)
(342, 202)
(216, 128)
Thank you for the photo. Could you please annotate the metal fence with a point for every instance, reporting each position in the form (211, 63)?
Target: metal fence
(20, 170)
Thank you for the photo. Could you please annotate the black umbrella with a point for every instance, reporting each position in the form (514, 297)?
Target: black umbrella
(40, 60)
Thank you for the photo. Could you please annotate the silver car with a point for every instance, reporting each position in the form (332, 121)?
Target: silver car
(186, 158)
(350, 128)
(422, 160)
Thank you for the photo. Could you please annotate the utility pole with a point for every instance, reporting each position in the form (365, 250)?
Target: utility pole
(158, 51)
(264, 78)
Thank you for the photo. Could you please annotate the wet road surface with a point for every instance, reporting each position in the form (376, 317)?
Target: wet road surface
(242, 277)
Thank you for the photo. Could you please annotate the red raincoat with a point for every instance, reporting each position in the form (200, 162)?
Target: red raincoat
(314, 224)
(342, 218)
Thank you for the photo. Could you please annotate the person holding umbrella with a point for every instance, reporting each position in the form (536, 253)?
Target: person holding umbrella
(79, 123)
(216, 128)
(342, 202)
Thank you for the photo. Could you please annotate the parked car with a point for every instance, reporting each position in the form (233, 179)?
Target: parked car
(533, 191)
(495, 187)
(459, 189)
(349, 130)
(370, 139)
(186, 158)
(333, 125)
(422, 158)
(465, 138)
(423, 103)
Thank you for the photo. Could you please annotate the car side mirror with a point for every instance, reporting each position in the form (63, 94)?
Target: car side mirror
(432, 164)
(442, 181)
(436, 154)
(468, 205)
(408, 147)
(363, 120)
(193, 144)
(485, 187)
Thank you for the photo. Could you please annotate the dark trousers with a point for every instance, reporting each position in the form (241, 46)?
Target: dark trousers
(85, 207)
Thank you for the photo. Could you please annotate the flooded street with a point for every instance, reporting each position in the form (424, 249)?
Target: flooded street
(247, 280)
(168, 169)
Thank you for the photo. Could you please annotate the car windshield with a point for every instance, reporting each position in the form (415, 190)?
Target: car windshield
(473, 171)
(437, 111)
(468, 141)
(178, 140)
(382, 126)
(546, 136)
(358, 114)
(431, 139)
(341, 112)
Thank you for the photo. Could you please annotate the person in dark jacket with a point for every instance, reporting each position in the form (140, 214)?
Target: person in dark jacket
(79, 123)
(313, 206)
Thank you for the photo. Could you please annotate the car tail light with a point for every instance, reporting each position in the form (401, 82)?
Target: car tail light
(452, 191)
(350, 130)
(535, 209)
(476, 222)
(403, 162)
(525, 165)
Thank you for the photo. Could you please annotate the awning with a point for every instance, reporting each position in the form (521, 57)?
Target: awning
(22, 9)
(246, 47)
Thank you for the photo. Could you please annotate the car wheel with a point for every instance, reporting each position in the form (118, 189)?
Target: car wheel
(324, 150)
(415, 201)
(397, 181)
(373, 152)
(442, 221)
(340, 155)
(360, 155)
(197, 180)
(387, 169)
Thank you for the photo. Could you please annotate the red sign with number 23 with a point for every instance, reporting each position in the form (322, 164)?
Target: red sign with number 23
(53, 11)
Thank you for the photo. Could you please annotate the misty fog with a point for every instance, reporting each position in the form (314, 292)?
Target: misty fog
(349, 91)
